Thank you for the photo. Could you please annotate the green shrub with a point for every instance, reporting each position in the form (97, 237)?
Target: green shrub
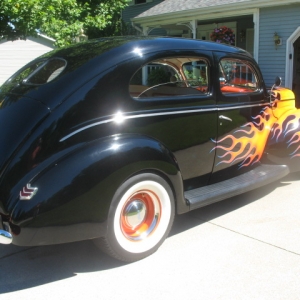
(158, 76)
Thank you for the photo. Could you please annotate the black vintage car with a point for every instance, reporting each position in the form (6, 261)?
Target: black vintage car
(109, 139)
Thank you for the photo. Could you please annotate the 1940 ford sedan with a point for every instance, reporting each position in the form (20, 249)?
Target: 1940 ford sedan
(109, 139)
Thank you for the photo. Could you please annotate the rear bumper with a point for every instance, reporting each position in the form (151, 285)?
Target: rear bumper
(5, 237)
(33, 236)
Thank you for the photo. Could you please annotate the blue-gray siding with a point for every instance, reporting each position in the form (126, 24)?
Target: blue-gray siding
(132, 11)
(283, 20)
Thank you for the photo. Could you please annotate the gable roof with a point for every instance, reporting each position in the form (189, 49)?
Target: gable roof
(178, 7)
(171, 6)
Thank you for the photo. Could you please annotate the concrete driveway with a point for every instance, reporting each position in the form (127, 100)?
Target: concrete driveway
(246, 247)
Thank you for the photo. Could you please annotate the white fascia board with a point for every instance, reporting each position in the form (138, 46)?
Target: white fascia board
(46, 37)
(187, 15)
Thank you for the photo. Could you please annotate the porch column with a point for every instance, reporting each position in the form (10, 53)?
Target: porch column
(147, 30)
(256, 33)
(192, 26)
(144, 75)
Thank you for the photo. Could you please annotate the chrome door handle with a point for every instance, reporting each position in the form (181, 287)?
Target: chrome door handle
(225, 118)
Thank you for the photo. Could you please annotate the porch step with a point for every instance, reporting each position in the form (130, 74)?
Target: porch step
(260, 176)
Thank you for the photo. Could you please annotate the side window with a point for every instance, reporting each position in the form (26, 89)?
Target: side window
(237, 76)
(169, 77)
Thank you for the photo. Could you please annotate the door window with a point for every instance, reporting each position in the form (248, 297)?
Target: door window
(237, 76)
(169, 77)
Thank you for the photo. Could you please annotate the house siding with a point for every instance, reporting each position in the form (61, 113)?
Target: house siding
(132, 11)
(14, 55)
(283, 20)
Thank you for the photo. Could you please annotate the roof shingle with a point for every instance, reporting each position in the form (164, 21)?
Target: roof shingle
(171, 6)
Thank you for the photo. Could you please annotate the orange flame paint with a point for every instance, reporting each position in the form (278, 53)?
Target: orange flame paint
(288, 126)
(248, 143)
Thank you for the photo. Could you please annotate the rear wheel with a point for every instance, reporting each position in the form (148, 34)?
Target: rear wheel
(140, 218)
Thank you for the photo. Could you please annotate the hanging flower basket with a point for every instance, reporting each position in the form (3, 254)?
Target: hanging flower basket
(223, 35)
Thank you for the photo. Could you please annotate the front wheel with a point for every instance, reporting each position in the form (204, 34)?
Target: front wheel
(140, 218)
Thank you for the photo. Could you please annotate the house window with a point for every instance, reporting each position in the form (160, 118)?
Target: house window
(136, 2)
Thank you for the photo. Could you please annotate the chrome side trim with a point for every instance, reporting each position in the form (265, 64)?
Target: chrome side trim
(119, 117)
(84, 128)
(243, 106)
(5, 237)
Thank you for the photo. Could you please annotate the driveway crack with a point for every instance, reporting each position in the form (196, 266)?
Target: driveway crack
(253, 238)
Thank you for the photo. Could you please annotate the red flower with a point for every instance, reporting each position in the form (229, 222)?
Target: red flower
(223, 35)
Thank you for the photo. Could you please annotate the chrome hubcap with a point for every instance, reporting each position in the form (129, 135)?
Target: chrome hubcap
(140, 215)
(135, 213)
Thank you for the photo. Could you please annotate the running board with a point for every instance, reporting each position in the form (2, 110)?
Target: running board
(260, 176)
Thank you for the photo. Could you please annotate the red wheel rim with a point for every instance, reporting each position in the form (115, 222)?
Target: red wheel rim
(140, 215)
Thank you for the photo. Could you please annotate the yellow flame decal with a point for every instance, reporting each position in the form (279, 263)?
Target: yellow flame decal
(289, 125)
(248, 143)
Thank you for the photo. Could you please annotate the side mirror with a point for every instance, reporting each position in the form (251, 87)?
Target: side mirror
(277, 81)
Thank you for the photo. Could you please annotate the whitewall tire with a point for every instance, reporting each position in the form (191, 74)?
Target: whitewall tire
(140, 218)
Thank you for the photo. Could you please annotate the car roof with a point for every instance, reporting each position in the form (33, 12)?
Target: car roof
(95, 47)
(87, 60)
(103, 53)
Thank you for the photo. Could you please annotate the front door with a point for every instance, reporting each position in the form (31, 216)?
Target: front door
(240, 100)
(296, 72)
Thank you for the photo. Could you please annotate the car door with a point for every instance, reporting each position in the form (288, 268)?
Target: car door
(241, 98)
(177, 90)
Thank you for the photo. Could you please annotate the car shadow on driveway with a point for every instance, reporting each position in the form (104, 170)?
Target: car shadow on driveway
(27, 267)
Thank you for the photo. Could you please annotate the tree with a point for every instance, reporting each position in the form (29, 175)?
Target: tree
(59, 19)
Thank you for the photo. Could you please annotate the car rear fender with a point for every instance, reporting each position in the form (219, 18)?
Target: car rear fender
(78, 188)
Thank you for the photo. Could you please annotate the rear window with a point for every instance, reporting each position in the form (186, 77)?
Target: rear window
(40, 72)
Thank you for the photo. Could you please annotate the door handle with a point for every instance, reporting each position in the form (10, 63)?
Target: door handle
(225, 118)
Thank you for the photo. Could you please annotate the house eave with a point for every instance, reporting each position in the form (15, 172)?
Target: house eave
(207, 13)
(165, 19)
(46, 37)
